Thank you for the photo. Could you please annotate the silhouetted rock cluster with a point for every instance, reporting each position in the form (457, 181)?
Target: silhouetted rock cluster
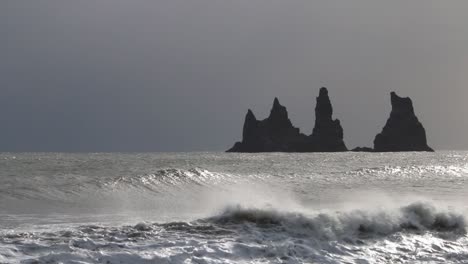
(402, 132)
(274, 134)
(277, 134)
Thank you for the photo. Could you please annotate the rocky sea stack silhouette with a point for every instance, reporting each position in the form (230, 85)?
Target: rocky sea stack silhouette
(277, 134)
(403, 131)
(327, 135)
(273, 134)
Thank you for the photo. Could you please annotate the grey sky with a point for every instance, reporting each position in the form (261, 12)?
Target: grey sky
(114, 75)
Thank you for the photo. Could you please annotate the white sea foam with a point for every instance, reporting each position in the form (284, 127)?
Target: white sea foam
(234, 208)
(416, 232)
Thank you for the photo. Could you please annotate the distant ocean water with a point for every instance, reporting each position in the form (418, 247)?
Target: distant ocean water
(234, 208)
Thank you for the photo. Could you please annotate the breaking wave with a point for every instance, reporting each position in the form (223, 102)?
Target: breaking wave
(417, 217)
(295, 208)
(243, 235)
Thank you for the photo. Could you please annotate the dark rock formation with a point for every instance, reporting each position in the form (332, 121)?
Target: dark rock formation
(327, 135)
(403, 131)
(277, 134)
(274, 134)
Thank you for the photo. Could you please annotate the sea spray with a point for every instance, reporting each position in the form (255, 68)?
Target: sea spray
(251, 234)
(417, 217)
(234, 208)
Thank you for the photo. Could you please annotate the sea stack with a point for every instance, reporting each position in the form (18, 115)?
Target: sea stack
(403, 131)
(327, 135)
(277, 134)
(273, 134)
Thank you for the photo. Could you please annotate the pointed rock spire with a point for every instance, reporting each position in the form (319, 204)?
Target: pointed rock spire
(323, 109)
(276, 102)
(279, 115)
(250, 125)
(327, 135)
(250, 115)
(403, 131)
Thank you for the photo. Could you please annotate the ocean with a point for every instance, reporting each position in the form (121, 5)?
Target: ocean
(234, 208)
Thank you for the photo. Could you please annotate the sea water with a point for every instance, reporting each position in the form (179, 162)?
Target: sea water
(234, 208)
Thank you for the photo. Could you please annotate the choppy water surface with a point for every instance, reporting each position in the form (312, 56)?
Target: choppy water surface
(234, 208)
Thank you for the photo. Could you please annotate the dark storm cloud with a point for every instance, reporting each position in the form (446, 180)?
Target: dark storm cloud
(180, 75)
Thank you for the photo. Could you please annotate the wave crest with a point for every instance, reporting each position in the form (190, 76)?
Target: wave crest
(170, 177)
(416, 217)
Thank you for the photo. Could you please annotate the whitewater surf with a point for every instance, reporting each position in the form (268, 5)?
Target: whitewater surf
(234, 208)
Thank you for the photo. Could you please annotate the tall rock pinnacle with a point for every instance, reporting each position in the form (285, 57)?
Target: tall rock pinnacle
(250, 126)
(323, 109)
(327, 135)
(403, 131)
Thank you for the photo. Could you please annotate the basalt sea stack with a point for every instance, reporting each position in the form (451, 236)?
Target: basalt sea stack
(273, 134)
(403, 131)
(277, 134)
(327, 135)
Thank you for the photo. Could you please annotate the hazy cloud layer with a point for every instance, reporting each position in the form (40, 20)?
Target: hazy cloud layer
(114, 75)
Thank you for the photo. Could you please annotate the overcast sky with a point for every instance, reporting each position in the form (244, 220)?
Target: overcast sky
(169, 75)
